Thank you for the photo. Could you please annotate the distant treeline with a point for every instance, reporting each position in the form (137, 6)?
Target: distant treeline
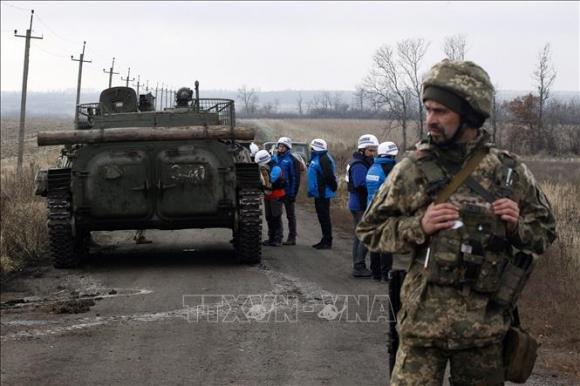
(286, 103)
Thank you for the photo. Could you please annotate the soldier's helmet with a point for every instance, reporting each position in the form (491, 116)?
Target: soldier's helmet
(464, 79)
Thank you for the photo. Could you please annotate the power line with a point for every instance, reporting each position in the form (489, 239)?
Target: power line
(61, 56)
(53, 32)
(15, 7)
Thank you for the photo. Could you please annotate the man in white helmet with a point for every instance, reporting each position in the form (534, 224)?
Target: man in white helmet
(356, 174)
(288, 164)
(322, 187)
(381, 262)
(273, 183)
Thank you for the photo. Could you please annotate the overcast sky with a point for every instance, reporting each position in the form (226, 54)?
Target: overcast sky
(277, 45)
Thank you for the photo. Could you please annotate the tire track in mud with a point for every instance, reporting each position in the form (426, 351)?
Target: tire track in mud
(288, 294)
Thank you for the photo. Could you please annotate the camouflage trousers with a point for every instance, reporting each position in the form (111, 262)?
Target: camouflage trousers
(426, 366)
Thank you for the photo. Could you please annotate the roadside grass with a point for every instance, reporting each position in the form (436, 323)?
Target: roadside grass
(23, 235)
(550, 304)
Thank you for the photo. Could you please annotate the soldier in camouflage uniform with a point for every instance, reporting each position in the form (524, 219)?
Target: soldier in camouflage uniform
(461, 246)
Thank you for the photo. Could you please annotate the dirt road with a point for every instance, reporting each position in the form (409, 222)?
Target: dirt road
(307, 323)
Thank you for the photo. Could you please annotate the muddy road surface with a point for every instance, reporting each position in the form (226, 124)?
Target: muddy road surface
(181, 311)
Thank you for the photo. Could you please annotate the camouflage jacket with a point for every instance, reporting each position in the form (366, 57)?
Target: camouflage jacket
(439, 315)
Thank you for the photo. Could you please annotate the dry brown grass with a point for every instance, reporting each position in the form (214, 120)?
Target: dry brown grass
(23, 236)
(550, 304)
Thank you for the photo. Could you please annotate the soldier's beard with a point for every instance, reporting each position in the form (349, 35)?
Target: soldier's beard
(439, 135)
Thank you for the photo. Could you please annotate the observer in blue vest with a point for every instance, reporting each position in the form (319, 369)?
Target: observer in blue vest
(291, 167)
(356, 176)
(381, 262)
(322, 187)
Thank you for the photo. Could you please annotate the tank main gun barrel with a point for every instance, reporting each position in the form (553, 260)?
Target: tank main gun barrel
(141, 134)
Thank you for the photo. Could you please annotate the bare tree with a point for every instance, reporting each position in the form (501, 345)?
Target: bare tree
(386, 85)
(359, 97)
(411, 53)
(455, 47)
(248, 98)
(544, 75)
(299, 102)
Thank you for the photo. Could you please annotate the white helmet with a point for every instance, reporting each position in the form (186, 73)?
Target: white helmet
(318, 144)
(388, 148)
(253, 149)
(262, 157)
(367, 140)
(286, 141)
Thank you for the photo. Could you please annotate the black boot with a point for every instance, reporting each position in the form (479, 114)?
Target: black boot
(318, 244)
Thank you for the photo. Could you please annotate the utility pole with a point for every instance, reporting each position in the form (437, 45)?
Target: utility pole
(28, 36)
(156, 85)
(147, 87)
(81, 61)
(111, 72)
(128, 79)
(161, 99)
(138, 84)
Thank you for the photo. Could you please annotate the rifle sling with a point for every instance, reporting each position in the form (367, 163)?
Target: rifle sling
(461, 176)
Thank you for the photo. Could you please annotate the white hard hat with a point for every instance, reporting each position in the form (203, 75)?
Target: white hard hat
(388, 148)
(318, 144)
(262, 157)
(286, 142)
(253, 149)
(367, 140)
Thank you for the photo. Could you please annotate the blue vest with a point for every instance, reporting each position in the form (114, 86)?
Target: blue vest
(376, 175)
(316, 176)
(286, 163)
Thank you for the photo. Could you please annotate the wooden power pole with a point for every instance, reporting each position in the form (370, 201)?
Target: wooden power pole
(156, 87)
(81, 60)
(138, 84)
(28, 36)
(111, 72)
(128, 78)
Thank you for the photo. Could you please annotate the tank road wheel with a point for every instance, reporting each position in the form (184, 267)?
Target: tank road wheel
(66, 248)
(248, 232)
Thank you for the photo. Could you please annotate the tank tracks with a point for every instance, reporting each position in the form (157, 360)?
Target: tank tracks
(66, 248)
(248, 238)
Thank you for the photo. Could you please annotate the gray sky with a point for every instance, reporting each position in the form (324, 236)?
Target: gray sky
(277, 45)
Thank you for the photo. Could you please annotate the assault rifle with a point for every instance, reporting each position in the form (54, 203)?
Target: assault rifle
(396, 278)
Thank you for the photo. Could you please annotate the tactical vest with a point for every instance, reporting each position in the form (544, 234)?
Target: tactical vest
(474, 253)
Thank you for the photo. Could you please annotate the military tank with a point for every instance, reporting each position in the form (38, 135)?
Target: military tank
(129, 166)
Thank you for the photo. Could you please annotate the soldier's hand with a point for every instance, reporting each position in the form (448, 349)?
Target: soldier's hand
(440, 216)
(509, 211)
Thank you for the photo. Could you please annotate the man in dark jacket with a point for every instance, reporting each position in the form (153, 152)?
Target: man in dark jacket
(322, 186)
(356, 174)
